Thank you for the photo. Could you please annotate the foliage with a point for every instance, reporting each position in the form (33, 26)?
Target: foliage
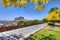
(57, 20)
(45, 20)
(35, 21)
(30, 22)
(50, 37)
(54, 14)
(39, 4)
(20, 23)
(45, 35)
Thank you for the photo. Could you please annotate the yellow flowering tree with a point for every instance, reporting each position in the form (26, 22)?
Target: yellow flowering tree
(54, 14)
(39, 4)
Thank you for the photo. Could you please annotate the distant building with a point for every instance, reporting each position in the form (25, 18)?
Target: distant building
(12, 23)
(19, 18)
(1, 24)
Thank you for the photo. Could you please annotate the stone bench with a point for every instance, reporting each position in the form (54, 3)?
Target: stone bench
(57, 23)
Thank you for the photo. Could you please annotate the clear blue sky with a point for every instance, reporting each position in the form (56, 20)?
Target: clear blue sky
(10, 13)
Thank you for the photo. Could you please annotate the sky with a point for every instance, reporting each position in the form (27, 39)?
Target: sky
(29, 13)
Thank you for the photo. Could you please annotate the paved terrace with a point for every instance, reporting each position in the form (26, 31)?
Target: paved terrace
(21, 33)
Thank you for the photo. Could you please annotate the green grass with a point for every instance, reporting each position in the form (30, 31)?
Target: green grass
(38, 35)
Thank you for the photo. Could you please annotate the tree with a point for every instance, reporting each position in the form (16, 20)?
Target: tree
(39, 4)
(54, 14)
(44, 20)
(35, 21)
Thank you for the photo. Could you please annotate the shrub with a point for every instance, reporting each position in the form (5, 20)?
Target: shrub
(21, 23)
(50, 37)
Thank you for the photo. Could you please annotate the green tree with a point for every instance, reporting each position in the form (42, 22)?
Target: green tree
(45, 20)
(35, 21)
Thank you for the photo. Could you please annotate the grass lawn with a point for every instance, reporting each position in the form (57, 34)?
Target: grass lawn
(38, 35)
